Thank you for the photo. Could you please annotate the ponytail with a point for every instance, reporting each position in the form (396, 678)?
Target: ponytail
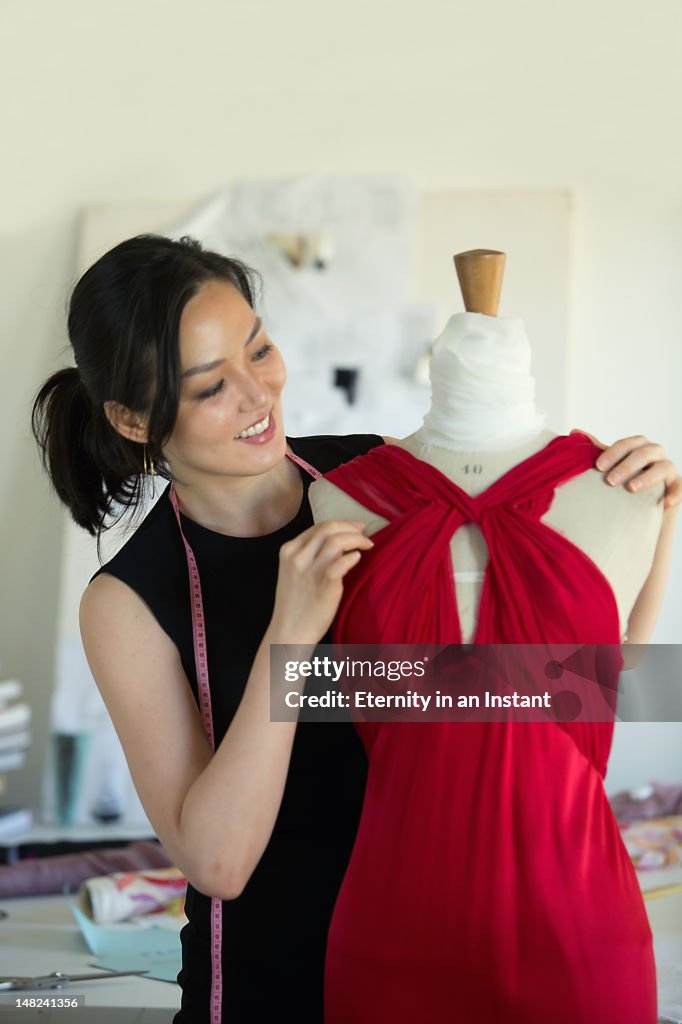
(92, 468)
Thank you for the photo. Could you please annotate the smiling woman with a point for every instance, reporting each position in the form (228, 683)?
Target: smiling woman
(228, 420)
(233, 397)
(175, 368)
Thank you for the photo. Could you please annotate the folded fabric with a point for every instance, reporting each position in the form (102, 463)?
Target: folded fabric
(46, 875)
(655, 843)
(127, 894)
(655, 800)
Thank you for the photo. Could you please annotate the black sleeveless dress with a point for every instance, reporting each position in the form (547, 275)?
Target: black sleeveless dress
(275, 932)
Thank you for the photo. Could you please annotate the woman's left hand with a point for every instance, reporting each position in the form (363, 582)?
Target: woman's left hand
(638, 463)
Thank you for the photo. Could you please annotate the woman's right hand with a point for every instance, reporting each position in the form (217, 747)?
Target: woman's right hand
(310, 579)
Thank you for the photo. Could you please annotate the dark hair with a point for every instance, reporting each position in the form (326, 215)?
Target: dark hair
(123, 322)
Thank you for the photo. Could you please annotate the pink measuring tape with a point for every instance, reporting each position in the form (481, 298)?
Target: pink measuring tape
(201, 666)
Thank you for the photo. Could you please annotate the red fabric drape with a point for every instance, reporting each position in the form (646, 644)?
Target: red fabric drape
(488, 880)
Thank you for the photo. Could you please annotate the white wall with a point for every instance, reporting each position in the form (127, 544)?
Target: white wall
(149, 99)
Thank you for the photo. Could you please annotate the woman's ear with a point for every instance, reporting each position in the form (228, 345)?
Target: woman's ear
(129, 424)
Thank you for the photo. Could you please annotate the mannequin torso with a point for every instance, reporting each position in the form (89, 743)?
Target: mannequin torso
(487, 852)
(617, 529)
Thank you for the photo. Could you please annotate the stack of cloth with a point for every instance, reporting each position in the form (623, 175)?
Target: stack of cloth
(650, 819)
(127, 894)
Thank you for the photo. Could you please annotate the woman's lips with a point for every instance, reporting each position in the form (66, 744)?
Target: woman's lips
(263, 437)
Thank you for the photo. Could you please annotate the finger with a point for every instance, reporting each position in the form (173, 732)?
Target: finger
(320, 531)
(331, 526)
(656, 474)
(319, 550)
(338, 568)
(642, 459)
(592, 438)
(340, 544)
(621, 448)
(334, 550)
(673, 494)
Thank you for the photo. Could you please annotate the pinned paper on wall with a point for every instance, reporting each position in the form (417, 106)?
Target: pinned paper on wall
(337, 260)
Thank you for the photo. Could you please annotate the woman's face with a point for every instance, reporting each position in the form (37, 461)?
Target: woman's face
(229, 420)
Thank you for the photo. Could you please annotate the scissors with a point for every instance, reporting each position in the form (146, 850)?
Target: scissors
(58, 979)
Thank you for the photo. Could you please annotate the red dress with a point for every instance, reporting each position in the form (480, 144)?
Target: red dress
(488, 882)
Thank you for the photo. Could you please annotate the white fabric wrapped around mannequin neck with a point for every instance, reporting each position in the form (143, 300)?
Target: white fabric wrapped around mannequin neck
(483, 393)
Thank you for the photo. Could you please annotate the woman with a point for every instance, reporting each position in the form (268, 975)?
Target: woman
(176, 375)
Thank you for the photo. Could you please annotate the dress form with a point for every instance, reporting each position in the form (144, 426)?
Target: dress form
(482, 422)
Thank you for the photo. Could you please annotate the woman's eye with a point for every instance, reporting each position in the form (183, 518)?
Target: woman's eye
(211, 392)
(263, 351)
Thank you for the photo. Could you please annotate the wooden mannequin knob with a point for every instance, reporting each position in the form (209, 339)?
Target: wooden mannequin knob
(480, 273)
